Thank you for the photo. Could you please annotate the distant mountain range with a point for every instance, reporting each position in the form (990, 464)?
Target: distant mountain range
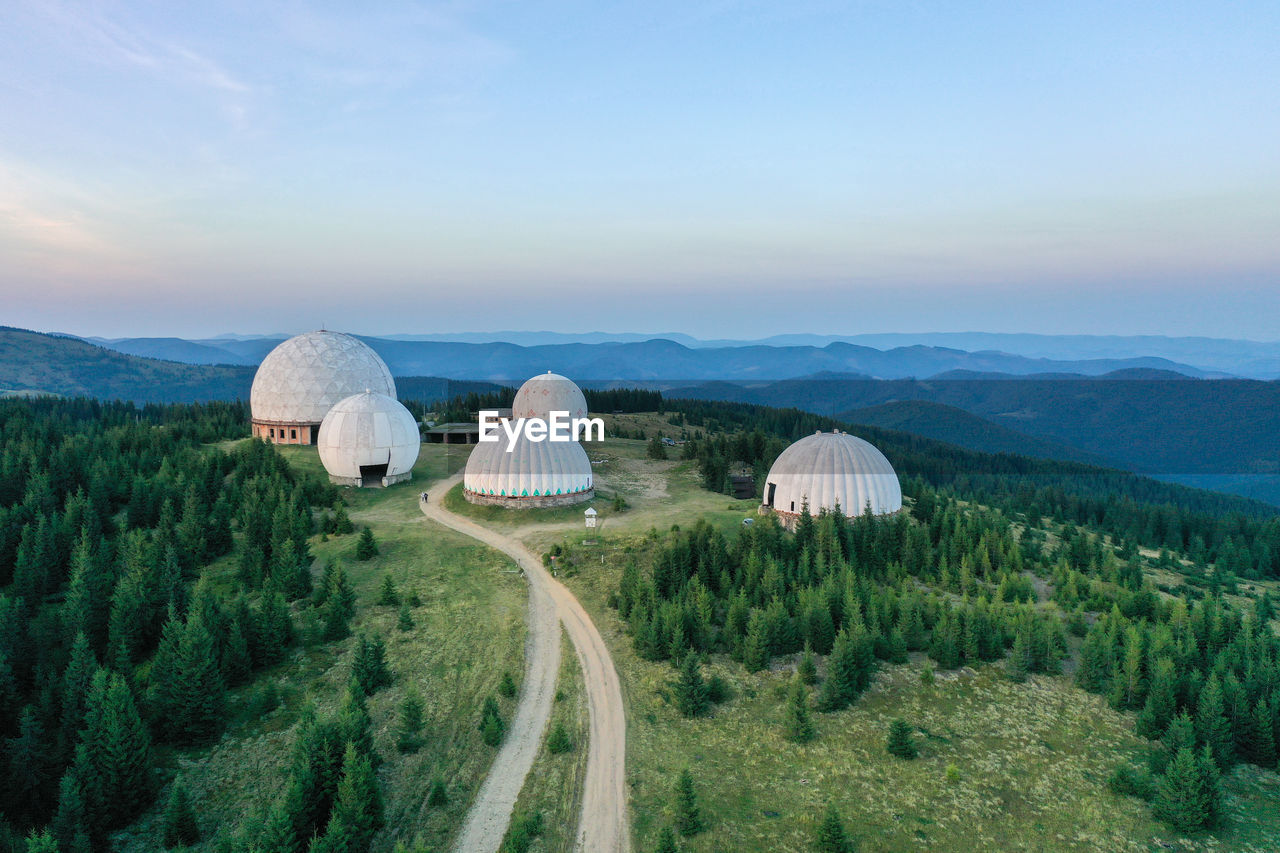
(1146, 414)
(660, 359)
(1250, 359)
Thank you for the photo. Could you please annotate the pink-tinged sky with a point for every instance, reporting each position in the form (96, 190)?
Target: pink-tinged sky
(726, 169)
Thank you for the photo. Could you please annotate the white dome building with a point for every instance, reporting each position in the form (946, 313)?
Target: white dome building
(533, 474)
(368, 439)
(830, 469)
(300, 380)
(549, 392)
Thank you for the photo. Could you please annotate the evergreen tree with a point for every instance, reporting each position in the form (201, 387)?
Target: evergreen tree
(1257, 743)
(1162, 701)
(70, 823)
(1019, 662)
(387, 595)
(30, 772)
(113, 759)
(688, 815)
(807, 669)
(507, 685)
(180, 824)
(558, 741)
(800, 726)
(848, 669)
(1212, 726)
(492, 728)
(41, 841)
(359, 803)
(666, 841)
(832, 836)
(408, 737)
(690, 690)
(755, 646)
(341, 521)
(366, 546)
(1182, 799)
(900, 741)
(404, 621)
(438, 795)
(369, 669)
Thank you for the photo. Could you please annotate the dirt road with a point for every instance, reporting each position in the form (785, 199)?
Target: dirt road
(602, 824)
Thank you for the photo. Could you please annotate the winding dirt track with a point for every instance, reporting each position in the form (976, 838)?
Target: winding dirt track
(602, 823)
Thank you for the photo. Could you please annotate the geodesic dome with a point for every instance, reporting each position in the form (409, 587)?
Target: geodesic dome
(301, 379)
(368, 435)
(532, 470)
(830, 469)
(549, 392)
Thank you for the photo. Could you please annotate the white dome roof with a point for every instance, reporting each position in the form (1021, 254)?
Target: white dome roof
(368, 429)
(300, 380)
(830, 468)
(531, 469)
(549, 392)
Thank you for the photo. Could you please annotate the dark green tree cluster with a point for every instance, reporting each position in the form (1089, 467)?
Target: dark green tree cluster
(108, 514)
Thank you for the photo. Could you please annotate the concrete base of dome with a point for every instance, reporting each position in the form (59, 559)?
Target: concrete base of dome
(529, 502)
(285, 433)
(372, 482)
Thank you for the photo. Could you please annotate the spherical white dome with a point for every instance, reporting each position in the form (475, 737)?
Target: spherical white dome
(531, 469)
(368, 429)
(301, 379)
(829, 469)
(549, 392)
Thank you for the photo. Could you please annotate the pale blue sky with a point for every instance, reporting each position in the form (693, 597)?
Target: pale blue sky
(727, 169)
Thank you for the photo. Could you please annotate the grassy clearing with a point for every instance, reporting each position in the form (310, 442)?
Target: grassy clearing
(554, 786)
(469, 628)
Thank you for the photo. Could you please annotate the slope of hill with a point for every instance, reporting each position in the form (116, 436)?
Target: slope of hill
(30, 361)
(1218, 427)
(657, 359)
(956, 426)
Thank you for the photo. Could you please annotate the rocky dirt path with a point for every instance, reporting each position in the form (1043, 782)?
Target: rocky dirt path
(602, 823)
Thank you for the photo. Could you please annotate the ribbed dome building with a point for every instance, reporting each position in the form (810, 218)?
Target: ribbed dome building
(549, 392)
(829, 470)
(368, 439)
(532, 474)
(301, 379)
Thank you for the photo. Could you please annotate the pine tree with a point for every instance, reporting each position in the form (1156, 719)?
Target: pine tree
(1257, 743)
(492, 728)
(848, 669)
(666, 841)
(366, 546)
(507, 685)
(688, 816)
(1212, 726)
(113, 759)
(808, 666)
(1019, 662)
(30, 771)
(438, 795)
(408, 738)
(690, 690)
(755, 646)
(832, 836)
(341, 521)
(41, 841)
(70, 822)
(800, 726)
(900, 741)
(387, 595)
(369, 669)
(1162, 701)
(558, 741)
(1181, 799)
(404, 622)
(897, 647)
(180, 825)
(359, 801)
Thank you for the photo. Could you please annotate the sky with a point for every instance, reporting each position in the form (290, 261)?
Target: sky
(723, 169)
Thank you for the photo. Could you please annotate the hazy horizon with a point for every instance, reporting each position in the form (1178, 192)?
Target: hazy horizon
(725, 169)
